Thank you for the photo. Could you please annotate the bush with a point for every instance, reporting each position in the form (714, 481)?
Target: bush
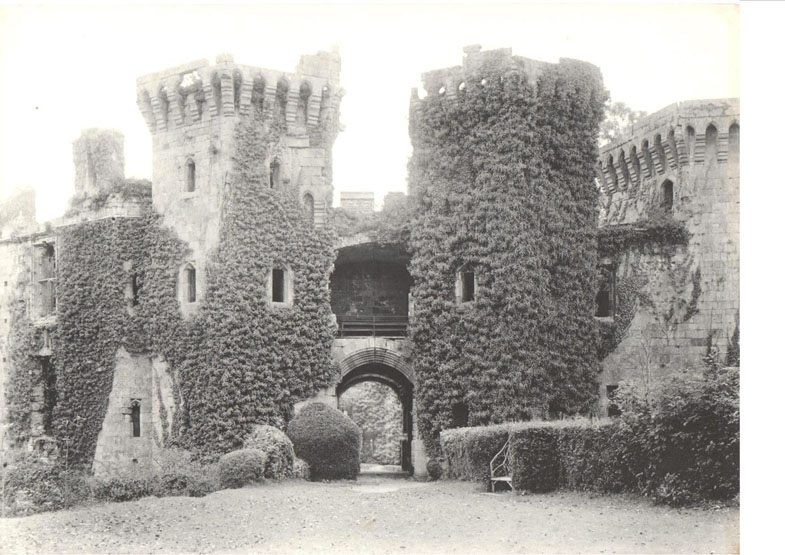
(181, 474)
(241, 467)
(34, 484)
(596, 458)
(277, 448)
(126, 485)
(328, 441)
(434, 469)
(301, 470)
(685, 436)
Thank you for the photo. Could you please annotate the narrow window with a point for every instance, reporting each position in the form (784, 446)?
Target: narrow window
(190, 284)
(46, 274)
(467, 287)
(733, 143)
(603, 303)
(666, 195)
(613, 408)
(275, 174)
(190, 176)
(279, 288)
(136, 418)
(308, 204)
(605, 297)
(135, 285)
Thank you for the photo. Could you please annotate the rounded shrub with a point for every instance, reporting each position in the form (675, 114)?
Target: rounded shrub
(434, 469)
(241, 467)
(301, 470)
(327, 440)
(277, 448)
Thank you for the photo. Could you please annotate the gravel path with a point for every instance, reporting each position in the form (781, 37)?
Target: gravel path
(376, 515)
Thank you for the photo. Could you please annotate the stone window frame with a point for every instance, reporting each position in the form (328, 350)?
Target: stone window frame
(288, 286)
(186, 286)
(611, 267)
(310, 212)
(189, 179)
(460, 285)
(44, 282)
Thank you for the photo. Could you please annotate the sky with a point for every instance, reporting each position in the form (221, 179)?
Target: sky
(67, 68)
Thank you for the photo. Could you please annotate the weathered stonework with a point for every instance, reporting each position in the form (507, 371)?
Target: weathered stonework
(690, 300)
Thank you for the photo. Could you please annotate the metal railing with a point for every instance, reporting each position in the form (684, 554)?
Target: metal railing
(372, 326)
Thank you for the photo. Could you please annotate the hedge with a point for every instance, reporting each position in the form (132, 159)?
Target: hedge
(277, 448)
(679, 445)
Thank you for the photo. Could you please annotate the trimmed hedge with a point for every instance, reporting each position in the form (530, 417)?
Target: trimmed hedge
(241, 467)
(327, 440)
(678, 445)
(277, 448)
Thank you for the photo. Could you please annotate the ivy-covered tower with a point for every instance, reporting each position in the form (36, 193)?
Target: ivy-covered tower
(193, 112)
(504, 240)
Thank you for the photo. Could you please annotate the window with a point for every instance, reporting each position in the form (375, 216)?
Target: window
(465, 286)
(135, 286)
(613, 408)
(606, 296)
(45, 276)
(603, 301)
(666, 194)
(190, 176)
(275, 174)
(280, 286)
(733, 143)
(136, 418)
(189, 282)
(308, 204)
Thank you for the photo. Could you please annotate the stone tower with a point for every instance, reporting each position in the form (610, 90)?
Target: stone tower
(192, 111)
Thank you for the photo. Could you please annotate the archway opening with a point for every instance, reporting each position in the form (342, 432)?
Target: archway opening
(379, 398)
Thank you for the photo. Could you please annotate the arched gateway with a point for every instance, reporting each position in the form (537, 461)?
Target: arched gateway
(386, 367)
(369, 295)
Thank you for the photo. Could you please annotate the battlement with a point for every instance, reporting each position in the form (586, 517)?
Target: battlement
(197, 91)
(680, 135)
(478, 65)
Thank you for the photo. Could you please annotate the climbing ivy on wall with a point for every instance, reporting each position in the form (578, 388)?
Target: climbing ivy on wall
(246, 361)
(238, 361)
(502, 180)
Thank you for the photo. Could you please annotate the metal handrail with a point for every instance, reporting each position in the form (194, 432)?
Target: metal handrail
(503, 452)
(372, 325)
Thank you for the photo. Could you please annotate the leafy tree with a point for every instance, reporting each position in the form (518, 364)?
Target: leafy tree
(618, 117)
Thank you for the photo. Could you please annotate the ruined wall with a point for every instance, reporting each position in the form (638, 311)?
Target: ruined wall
(689, 295)
(192, 111)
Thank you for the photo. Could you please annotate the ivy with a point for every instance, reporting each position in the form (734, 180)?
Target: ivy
(502, 181)
(615, 239)
(629, 296)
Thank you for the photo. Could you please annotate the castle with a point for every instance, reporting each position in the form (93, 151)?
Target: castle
(223, 296)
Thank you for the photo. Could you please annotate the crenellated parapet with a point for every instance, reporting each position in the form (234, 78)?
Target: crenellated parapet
(194, 93)
(676, 138)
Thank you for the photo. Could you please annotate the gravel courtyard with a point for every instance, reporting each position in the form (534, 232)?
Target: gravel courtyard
(376, 515)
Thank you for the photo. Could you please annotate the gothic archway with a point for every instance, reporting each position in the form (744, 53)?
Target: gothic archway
(400, 382)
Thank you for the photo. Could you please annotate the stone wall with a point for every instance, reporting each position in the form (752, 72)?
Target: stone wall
(192, 111)
(690, 295)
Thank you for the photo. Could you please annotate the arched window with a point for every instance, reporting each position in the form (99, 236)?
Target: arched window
(733, 143)
(302, 106)
(136, 418)
(711, 142)
(690, 144)
(666, 194)
(189, 284)
(308, 205)
(190, 176)
(280, 286)
(275, 173)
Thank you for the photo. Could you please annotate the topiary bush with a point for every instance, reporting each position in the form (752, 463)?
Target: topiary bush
(241, 467)
(301, 469)
(277, 448)
(327, 440)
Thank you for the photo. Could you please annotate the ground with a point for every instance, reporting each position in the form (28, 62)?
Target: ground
(376, 515)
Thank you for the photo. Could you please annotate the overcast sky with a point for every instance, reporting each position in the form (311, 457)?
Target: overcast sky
(69, 68)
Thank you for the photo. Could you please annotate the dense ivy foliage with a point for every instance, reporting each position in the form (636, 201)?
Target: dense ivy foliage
(502, 184)
(237, 362)
(247, 361)
(615, 239)
(96, 316)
